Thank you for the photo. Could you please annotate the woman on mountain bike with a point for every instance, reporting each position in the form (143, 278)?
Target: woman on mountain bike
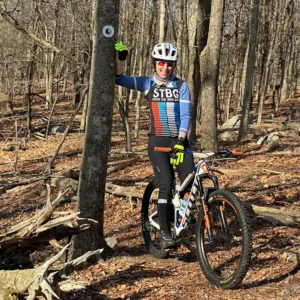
(169, 102)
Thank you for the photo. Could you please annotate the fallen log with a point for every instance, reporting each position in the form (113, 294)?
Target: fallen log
(116, 190)
(266, 187)
(75, 173)
(234, 184)
(275, 216)
(284, 153)
(46, 158)
(125, 191)
(12, 185)
(31, 282)
(43, 227)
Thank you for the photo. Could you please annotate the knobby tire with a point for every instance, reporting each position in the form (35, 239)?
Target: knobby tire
(225, 260)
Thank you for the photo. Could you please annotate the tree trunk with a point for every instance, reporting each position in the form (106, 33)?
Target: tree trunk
(185, 48)
(126, 125)
(50, 58)
(193, 79)
(84, 113)
(162, 19)
(92, 180)
(180, 37)
(27, 96)
(288, 32)
(202, 35)
(141, 59)
(209, 62)
(249, 71)
(271, 47)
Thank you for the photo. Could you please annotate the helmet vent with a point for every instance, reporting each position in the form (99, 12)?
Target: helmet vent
(165, 51)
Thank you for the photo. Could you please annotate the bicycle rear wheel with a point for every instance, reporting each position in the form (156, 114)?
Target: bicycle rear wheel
(225, 258)
(150, 222)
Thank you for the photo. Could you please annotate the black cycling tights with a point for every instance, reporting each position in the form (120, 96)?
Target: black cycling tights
(164, 172)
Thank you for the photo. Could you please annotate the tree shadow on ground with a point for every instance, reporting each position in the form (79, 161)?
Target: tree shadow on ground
(266, 258)
(16, 259)
(135, 251)
(274, 279)
(126, 277)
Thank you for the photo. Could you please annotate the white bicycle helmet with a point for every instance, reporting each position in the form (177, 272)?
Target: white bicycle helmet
(165, 51)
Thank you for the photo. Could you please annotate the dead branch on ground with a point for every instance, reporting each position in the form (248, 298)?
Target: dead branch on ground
(12, 185)
(32, 282)
(74, 173)
(43, 227)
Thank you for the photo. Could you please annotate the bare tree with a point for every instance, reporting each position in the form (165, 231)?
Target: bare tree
(269, 56)
(249, 71)
(193, 79)
(141, 60)
(209, 62)
(92, 180)
(200, 43)
(180, 36)
(162, 20)
(288, 32)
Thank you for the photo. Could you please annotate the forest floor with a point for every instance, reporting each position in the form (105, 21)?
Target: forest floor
(132, 273)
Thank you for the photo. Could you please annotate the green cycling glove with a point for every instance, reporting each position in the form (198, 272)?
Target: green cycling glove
(178, 150)
(122, 51)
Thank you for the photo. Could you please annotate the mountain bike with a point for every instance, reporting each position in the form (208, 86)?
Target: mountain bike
(223, 234)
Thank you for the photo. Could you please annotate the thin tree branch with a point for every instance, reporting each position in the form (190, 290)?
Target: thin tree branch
(42, 43)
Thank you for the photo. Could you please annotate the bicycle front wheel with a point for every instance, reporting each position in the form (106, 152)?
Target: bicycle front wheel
(225, 256)
(150, 224)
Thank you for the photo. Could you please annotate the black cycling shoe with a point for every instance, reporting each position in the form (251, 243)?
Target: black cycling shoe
(166, 240)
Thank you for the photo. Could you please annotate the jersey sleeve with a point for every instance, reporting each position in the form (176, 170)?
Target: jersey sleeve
(135, 83)
(185, 108)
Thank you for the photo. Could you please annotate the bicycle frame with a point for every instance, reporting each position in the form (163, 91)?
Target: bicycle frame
(199, 173)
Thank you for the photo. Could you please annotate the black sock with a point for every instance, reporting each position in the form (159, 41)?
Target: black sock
(162, 216)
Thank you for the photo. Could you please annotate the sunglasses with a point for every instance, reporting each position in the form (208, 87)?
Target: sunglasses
(163, 63)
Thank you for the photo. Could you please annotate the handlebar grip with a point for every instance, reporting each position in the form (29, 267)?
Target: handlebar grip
(237, 153)
(163, 149)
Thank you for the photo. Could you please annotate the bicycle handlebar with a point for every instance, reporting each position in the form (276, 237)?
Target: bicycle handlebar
(202, 154)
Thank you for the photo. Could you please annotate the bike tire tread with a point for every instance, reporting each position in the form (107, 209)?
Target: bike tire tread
(244, 264)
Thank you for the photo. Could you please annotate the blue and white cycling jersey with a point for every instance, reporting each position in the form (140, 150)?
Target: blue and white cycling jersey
(169, 103)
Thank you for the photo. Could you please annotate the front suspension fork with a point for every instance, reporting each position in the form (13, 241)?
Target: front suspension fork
(206, 217)
(204, 195)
